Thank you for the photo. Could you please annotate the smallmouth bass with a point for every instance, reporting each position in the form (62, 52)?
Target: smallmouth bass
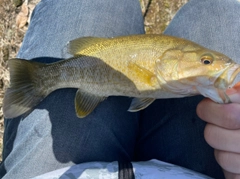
(146, 67)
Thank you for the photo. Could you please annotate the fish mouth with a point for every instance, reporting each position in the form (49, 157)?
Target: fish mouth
(234, 75)
(229, 77)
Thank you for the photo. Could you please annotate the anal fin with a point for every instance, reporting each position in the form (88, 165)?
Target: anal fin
(85, 103)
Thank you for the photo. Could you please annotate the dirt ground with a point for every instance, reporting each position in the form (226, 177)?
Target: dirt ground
(15, 18)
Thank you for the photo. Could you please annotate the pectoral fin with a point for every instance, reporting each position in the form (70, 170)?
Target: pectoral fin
(140, 103)
(142, 74)
(85, 103)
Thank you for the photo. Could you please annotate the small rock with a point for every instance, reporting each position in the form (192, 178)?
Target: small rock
(5, 51)
(17, 3)
(22, 17)
(1, 83)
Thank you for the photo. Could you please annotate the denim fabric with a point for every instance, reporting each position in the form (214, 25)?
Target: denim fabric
(52, 137)
(170, 129)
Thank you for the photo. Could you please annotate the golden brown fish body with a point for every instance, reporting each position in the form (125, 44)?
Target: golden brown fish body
(146, 67)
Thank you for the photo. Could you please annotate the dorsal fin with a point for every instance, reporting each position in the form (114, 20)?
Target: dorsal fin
(77, 45)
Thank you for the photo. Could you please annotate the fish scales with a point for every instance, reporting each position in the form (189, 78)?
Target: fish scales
(146, 67)
(98, 78)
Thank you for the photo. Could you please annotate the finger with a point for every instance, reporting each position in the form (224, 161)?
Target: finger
(230, 162)
(234, 93)
(229, 175)
(223, 115)
(222, 139)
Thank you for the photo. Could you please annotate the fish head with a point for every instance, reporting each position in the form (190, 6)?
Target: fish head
(197, 70)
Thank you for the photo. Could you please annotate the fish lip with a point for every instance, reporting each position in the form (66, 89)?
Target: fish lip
(228, 77)
(234, 77)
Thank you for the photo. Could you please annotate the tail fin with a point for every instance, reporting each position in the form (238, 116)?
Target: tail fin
(22, 95)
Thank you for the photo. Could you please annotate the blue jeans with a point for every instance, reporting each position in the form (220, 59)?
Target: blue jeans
(52, 137)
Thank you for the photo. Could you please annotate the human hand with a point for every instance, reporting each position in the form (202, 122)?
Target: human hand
(222, 131)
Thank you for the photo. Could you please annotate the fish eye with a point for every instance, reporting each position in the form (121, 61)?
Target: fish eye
(207, 60)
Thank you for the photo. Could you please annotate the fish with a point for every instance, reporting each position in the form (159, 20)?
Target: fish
(144, 67)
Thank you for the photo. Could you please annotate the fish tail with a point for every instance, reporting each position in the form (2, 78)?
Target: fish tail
(23, 93)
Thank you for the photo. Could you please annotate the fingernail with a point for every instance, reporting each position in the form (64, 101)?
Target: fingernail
(233, 95)
(231, 91)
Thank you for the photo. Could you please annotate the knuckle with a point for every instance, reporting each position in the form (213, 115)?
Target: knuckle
(231, 117)
(222, 159)
(228, 161)
(208, 135)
